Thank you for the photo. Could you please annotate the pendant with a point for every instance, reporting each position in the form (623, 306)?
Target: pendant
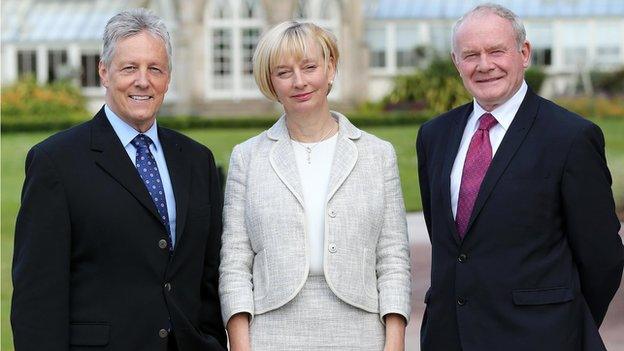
(309, 151)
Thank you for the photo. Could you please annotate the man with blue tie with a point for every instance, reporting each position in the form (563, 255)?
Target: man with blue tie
(118, 236)
(518, 204)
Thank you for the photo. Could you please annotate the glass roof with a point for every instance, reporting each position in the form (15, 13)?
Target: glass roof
(70, 20)
(453, 9)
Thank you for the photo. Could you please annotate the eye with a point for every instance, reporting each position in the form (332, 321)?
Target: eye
(156, 69)
(310, 68)
(283, 74)
(129, 68)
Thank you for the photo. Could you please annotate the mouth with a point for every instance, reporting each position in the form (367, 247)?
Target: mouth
(140, 97)
(302, 96)
(488, 80)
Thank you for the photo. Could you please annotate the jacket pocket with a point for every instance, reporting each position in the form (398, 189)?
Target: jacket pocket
(369, 273)
(89, 334)
(260, 275)
(542, 296)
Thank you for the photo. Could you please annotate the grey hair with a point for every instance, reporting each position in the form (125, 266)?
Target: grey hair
(129, 23)
(501, 12)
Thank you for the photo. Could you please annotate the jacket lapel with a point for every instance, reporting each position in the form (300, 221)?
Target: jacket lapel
(345, 156)
(455, 136)
(518, 130)
(282, 158)
(110, 155)
(179, 167)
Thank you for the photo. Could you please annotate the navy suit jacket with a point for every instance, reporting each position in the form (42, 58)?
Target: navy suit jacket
(542, 258)
(88, 270)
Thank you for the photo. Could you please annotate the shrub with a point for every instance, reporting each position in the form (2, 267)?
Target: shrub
(26, 100)
(438, 88)
(534, 76)
(590, 106)
(608, 83)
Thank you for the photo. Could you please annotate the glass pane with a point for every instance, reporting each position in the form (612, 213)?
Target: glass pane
(408, 49)
(57, 65)
(540, 35)
(222, 58)
(249, 8)
(250, 40)
(376, 40)
(301, 10)
(221, 9)
(89, 76)
(441, 38)
(26, 63)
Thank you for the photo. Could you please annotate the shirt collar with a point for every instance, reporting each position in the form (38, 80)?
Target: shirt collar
(506, 112)
(126, 133)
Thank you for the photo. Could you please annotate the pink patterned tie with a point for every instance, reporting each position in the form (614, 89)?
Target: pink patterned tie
(477, 162)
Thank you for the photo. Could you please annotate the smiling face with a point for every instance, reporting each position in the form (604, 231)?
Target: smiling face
(488, 60)
(137, 79)
(302, 85)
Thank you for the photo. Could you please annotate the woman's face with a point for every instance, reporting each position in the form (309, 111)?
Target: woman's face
(302, 85)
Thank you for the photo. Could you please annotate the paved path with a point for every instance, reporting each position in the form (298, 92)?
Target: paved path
(612, 329)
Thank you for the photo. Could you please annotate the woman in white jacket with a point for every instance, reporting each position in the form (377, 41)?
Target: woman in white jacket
(315, 252)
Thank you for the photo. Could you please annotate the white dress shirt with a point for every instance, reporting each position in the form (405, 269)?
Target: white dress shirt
(314, 183)
(504, 114)
(126, 133)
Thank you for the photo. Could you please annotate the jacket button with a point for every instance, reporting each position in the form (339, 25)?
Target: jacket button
(163, 333)
(332, 213)
(461, 301)
(462, 258)
(332, 247)
(162, 243)
(168, 286)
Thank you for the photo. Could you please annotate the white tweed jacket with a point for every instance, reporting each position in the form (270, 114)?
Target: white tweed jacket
(265, 258)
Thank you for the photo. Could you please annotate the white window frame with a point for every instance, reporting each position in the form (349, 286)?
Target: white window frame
(236, 24)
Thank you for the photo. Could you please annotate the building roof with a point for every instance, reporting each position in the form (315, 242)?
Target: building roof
(70, 20)
(453, 9)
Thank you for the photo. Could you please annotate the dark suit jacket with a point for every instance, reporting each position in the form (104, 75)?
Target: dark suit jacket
(88, 271)
(541, 259)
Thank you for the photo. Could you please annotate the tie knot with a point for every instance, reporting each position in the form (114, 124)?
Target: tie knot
(141, 141)
(487, 121)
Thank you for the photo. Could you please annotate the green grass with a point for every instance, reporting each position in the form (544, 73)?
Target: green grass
(221, 141)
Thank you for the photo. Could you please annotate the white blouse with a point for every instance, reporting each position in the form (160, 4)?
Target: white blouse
(314, 177)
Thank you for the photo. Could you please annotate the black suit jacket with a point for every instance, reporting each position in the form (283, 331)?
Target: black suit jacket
(88, 271)
(542, 258)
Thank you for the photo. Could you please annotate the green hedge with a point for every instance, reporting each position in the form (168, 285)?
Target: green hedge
(190, 122)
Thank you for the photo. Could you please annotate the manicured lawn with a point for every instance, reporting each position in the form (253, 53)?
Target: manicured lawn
(221, 141)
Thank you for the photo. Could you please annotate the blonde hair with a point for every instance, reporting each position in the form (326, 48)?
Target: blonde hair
(289, 39)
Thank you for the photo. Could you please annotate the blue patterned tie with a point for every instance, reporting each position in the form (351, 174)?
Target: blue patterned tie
(148, 170)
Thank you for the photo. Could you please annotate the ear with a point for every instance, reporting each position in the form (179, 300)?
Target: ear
(331, 69)
(525, 50)
(103, 72)
(455, 63)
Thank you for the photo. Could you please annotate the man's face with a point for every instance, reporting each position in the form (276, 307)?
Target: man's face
(488, 60)
(137, 79)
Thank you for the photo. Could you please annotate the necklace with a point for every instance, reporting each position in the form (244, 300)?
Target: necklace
(308, 148)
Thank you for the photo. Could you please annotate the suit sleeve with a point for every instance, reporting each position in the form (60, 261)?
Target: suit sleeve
(423, 179)
(40, 305)
(235, 284)
(211, 321)
(590, 221)
(393, 256)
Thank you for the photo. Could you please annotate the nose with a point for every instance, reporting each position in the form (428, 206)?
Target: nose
(140, 80)
(298, 80)
(485, 63)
